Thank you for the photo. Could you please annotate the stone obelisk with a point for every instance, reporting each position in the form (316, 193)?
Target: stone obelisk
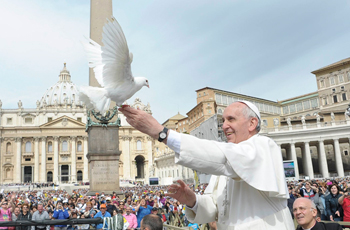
(100, 10)
(103, 150)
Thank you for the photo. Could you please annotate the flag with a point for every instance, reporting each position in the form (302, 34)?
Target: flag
(196, 180)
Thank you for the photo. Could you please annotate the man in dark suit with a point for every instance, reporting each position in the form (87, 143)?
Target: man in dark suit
(305, 213)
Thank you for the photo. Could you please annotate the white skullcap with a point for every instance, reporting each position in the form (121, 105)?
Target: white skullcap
(252, 107)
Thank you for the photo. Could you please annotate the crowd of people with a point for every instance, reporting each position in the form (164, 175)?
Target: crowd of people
(331, 197)
(131, 205)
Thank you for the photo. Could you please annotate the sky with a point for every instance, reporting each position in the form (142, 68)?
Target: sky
(265, 49)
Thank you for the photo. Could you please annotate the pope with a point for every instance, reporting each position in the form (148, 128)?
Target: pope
(247, 189)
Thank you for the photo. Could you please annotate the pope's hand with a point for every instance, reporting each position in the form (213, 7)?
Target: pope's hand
(142, 121)
(182, 193)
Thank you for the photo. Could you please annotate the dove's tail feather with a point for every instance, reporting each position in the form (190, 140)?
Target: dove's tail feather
(94, 98)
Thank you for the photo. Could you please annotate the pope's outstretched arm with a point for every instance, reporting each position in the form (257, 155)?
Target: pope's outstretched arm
(147, 124)
(142, 121)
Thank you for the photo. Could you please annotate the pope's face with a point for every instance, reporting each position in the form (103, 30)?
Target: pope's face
(237, 127)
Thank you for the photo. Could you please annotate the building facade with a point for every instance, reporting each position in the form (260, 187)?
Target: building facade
(312, 130)
(49, 143)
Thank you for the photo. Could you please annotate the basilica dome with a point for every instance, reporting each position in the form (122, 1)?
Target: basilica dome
(63, 93)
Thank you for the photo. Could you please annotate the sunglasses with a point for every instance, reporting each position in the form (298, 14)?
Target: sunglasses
(4, 203)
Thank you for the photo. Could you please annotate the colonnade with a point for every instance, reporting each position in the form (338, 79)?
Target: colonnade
(40, 167)
(319, 144)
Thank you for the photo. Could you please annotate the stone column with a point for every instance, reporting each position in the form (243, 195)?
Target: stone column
(133, 170)
(86, 162)
(126, 157)
(22, 173)
(73, 174)
(146, 172)
(18, 160)
(36, 159)
(69, 174)
(150, 157)
(31, 178)
(308, 160)
(338, 159)
(322, 159)
(293, 153)
(43, 160)
(55, 159)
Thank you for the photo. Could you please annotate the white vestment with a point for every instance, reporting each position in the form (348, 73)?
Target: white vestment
(250, 191)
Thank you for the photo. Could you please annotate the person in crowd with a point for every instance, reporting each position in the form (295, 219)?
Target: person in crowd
(110, 206)
(162, 199)
(16, 213)
(40, 214)
(155, 212)
(307, 191)
(131, 218)
(318, 201)
(151, 222)
(333, 207)
(344, 201)
(142, 210)
(150, 201)
(60, 214)
(121, 207)
(291, 199)
(66, 206)
(24, 215)
(81, 205)
(305, 213)
(103, 213)
(5, 211)
(50, 206)
(33, 209)
(128, 202)
(249, 169)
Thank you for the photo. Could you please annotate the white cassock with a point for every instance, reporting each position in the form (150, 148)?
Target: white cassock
(250, 191)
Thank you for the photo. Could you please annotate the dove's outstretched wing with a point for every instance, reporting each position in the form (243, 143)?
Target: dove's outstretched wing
(111, 62)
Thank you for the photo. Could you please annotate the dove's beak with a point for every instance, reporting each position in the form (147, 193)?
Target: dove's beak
(148, 86)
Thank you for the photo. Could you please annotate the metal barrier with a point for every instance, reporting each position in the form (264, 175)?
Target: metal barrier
(50, 222)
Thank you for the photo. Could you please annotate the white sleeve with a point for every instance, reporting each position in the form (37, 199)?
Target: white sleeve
(174, 141)
(206, 210)
(194, 208)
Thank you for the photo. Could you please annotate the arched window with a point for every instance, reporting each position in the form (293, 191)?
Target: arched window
(138, 145)
(64, 146)
(80, 175)
(28, 147)
(8, 148)
(49, 146)
(8, 173)
(79, 146)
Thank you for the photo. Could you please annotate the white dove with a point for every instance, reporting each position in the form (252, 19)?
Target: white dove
(111, 64)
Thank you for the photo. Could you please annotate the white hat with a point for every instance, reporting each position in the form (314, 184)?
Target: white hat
(252, 107)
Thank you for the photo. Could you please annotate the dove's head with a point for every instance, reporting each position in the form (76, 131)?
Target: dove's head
(142, 81)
